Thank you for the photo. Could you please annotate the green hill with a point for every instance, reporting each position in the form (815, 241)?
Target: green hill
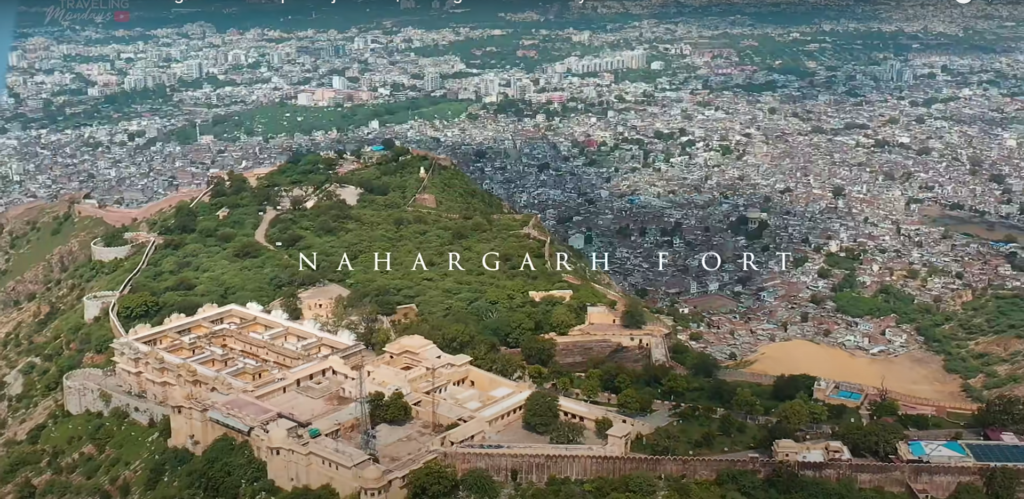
(205, 259)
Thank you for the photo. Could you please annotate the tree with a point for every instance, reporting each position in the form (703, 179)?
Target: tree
(675, 385)
(396, 410)
(876, 439)
(321, 492)
(1002, 482)
(789, 387)
(634, 316)
(602, 425)
(884, 408)
(538, 350)
(477, 483)
(290, 306)
(564, 385)
(185, 220)
(563, 319)
(540, 413)
(727, 425)
(434, 480)
(388, 143)
(632, 401)
(966, 490)
(793, 413)
(567, 433)
(136, 306)
(1003, 411)
(744, 401)
(838, 191)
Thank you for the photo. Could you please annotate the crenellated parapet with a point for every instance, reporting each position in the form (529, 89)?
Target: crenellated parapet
(509, 466)
(96, 303)
(105, 254)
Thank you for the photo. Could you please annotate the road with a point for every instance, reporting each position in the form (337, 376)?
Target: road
(261, 231)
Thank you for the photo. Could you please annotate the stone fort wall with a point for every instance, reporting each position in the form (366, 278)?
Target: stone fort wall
(940, 479)
(96, 303)
(105, 254)
(97, 390)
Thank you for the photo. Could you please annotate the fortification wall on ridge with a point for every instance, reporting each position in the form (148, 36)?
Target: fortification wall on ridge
(96, 303)
(105, 254)
(97, 390)
(527, 467)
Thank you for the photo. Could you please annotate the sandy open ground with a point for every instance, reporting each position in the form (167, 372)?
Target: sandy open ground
(916, 373)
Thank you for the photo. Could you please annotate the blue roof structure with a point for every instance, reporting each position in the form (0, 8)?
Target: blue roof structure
(996, 453)
(377, 148)
(925, 448)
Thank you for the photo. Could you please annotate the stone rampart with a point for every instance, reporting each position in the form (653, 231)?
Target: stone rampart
(97, 390)
(105, 254)
(537, 468)
(96, 303)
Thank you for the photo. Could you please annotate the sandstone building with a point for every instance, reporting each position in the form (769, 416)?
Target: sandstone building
(292, 391)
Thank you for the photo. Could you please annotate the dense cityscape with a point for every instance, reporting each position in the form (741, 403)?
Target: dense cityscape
(854, 169)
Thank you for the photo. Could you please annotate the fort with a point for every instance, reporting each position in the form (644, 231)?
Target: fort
(523, 467)
(296, 393)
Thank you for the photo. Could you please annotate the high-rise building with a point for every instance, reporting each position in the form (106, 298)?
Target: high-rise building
(132, 83)
(276, 58)
(194, 69)
(16, 59)
(489, 86)
(236, 57)
(431, 82)
(339, 83)
(522, 89)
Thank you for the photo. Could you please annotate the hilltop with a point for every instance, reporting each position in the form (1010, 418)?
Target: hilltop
(209, 253)
(209, 258)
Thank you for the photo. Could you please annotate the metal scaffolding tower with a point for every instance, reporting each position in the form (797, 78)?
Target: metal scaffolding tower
(367, 435)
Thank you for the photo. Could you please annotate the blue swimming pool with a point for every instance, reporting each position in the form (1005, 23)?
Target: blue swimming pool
(845, 395)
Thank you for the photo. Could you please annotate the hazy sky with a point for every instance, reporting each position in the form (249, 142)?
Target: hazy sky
(7, 10)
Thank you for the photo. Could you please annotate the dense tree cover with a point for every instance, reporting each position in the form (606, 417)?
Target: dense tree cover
(434, 480)
(389, 409)
(1005, 411)
(125, 459)
(634, 316)
(540, 413)
(204, 259)
(1002, 482)
(567, 432)
(114, 237)
(876, 439)
(538, 351)
(989, 314)
(789, 387)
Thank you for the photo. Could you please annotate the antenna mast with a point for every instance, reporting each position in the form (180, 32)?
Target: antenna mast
(433, 399)
(367, 436)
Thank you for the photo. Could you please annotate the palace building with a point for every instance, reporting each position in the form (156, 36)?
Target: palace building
(293, 392)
